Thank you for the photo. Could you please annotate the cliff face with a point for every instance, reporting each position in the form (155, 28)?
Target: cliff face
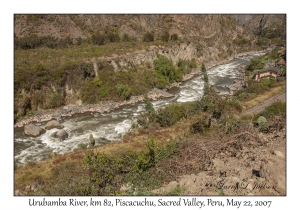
(83, 26)
(260, 22)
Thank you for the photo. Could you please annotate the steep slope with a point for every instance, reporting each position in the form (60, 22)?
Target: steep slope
(54, 67)
(260, 22)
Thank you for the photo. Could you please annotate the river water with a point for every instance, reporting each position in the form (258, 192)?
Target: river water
(112, 126)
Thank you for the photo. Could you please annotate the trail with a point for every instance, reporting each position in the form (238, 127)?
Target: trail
(257, 168)
(260, 107)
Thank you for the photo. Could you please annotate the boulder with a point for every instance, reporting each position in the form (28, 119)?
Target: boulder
(53, 124)
(33, 130)
(62, 134)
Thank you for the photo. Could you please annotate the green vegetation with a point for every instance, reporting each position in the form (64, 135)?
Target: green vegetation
(220, 192)
(44, 83)
(239, 40)
(276, 109)
(166, 71)
(92, 140)
(186, 66)
(34, 41)
(146, 166)
(102, 173)
(276, 33)
(255, 64)
(124, 91)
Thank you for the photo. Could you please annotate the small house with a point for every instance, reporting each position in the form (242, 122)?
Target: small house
(280, 64)
(267, 72)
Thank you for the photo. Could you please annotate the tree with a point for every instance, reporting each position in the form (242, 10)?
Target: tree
(205, 76)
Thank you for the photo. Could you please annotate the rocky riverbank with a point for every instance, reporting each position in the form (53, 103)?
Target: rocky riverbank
(103, 107)
(108, 106)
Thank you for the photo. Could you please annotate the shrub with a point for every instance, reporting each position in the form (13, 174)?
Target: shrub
(92, 140)
(201, 124)
(212, 103)
(254, 64)
(78, 41)
(148, 37)
(106, 172)
(98, 39)
(186, 66)
(234, 102)
(174, 37)
(124, 91)
(164, 67)
(276, 109)
(165, 36)
(126, 38)
(92, 91)
(262, 124)
(113, 37)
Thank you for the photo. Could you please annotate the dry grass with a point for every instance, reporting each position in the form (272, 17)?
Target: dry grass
(259, 99)
(84, 52)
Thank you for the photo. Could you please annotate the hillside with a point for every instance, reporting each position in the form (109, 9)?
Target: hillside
(205, 146)
(62, 59)
(260, 22)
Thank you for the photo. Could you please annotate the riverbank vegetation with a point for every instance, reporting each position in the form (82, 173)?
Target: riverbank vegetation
(167, 143)
(32, 92)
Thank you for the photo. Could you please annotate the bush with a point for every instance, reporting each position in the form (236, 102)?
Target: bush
(174, 37)
(239, 40)
(276, 109)
(126, 38)
(164, 67)
(108, 171)
(124, 91)
(78, 41)
(92, 91)
(262, 124)
(234, 102)
(113, 37)
(98, 39)
(186, 66)
(165, 36)
(170, 115)
(254, 64)
(148, 37)
(201, 124)
(212, 103)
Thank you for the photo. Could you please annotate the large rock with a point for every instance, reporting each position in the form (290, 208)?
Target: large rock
(53, 124)
(33, 130)
(62, 134)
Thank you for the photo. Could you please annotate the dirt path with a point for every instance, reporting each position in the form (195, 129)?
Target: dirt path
(259, 108)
